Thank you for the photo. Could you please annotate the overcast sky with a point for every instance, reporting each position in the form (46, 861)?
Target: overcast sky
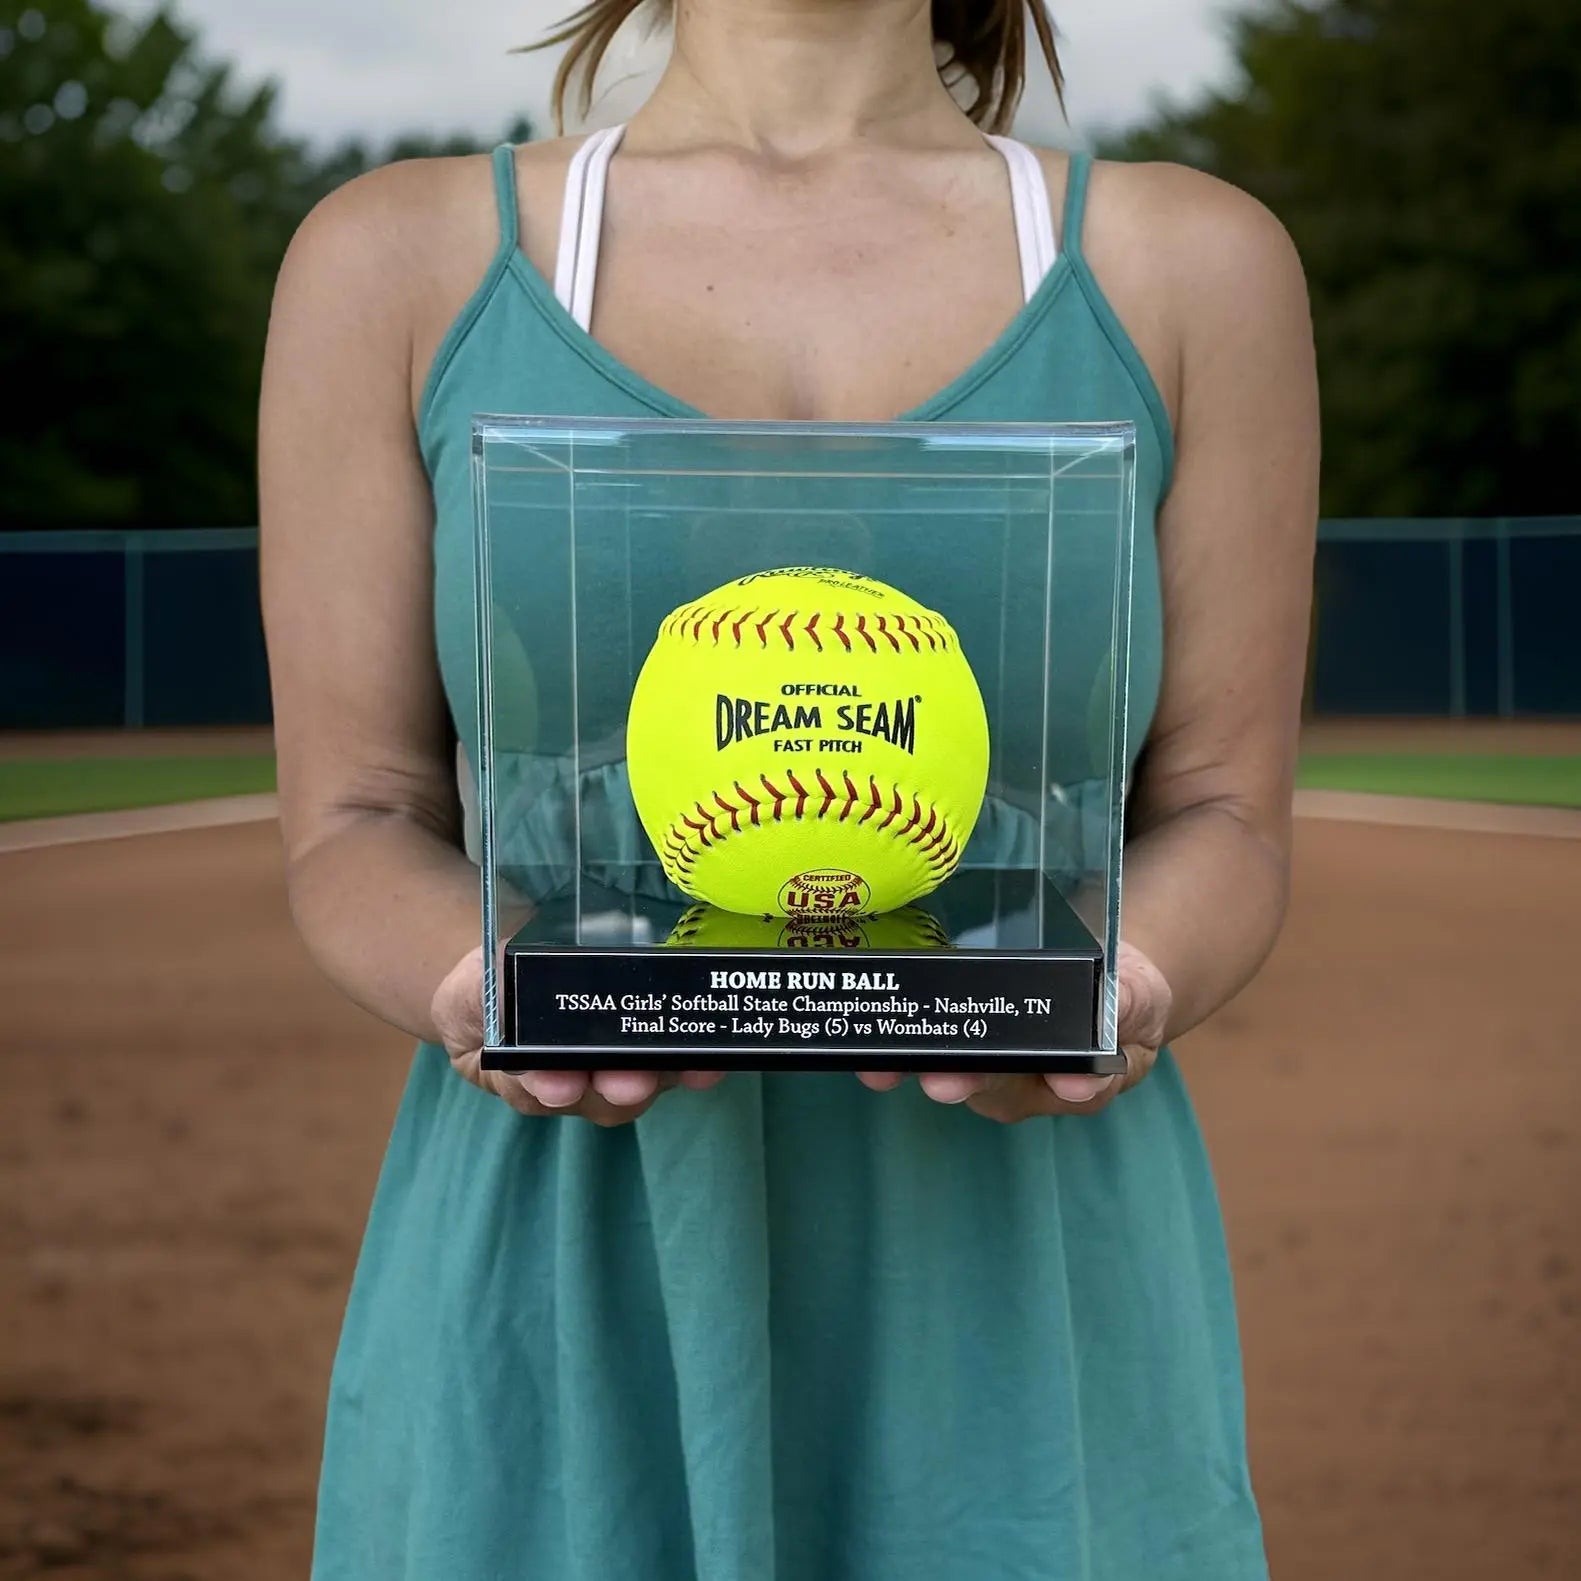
(375, 67)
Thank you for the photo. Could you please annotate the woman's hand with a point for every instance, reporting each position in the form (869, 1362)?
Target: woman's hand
(1144, 1006)
(606, 1097)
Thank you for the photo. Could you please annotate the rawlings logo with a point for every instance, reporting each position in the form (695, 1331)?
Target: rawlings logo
(829, 575)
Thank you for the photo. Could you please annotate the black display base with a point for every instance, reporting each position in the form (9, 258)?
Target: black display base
(1023, 995)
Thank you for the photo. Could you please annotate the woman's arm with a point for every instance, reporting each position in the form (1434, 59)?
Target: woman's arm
(381, 892)
(1208, 837)
(1208, 852)
(382, 895)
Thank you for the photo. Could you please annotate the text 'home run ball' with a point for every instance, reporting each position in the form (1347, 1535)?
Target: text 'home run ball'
(807, 741)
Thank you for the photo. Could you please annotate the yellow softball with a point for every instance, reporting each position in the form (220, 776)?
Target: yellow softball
(807, 741)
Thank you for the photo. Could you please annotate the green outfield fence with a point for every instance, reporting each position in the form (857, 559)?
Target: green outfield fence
(1448, 617)
(110, 628)
(1444, 617)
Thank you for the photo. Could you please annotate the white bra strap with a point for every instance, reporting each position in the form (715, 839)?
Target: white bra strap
(582, 222)
(1029, 200)
(582, 219)
(571, 222)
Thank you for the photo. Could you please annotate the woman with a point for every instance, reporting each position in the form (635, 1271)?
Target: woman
(811, 1327)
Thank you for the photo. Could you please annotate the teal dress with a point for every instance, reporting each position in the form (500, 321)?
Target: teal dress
(787, 1329)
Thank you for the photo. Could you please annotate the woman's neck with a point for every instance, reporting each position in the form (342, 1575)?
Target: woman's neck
(787, 81)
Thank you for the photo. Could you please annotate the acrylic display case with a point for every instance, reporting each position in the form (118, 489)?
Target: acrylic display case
(599, 540)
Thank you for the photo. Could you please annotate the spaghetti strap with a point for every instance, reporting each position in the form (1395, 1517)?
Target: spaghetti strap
(1075, 203)
(505, 196)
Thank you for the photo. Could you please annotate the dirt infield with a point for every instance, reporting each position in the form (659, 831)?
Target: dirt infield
(29, 834)
(186, 1156)
(1418, 812)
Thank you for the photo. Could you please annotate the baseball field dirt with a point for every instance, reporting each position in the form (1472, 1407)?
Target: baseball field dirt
(192, 1122)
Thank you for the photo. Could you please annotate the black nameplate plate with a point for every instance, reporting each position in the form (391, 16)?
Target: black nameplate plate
(665, 1009)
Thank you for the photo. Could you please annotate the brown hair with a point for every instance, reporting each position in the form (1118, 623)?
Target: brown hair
(983, 42)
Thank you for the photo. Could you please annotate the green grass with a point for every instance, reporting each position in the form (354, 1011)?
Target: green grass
(49, 789)
(1533, 782)
(53, 788)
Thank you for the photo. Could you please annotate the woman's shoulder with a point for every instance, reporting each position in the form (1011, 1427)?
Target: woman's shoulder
(1218, 260)
(423, 211)
(388, 237)
(1156, 206)
(409, 242)
(1202, 219)
(1176, 251)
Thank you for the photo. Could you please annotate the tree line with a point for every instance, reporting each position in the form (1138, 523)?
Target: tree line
(146, 201)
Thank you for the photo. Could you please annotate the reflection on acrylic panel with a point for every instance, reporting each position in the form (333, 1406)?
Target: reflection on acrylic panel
(712, 652)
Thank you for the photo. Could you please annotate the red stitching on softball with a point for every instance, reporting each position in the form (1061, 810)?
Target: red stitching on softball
(931, 838)
(779, 796)
(876, 802)
(917, 628)
(801, 794)
(751, 801)
(679, 852)
(894, 812)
